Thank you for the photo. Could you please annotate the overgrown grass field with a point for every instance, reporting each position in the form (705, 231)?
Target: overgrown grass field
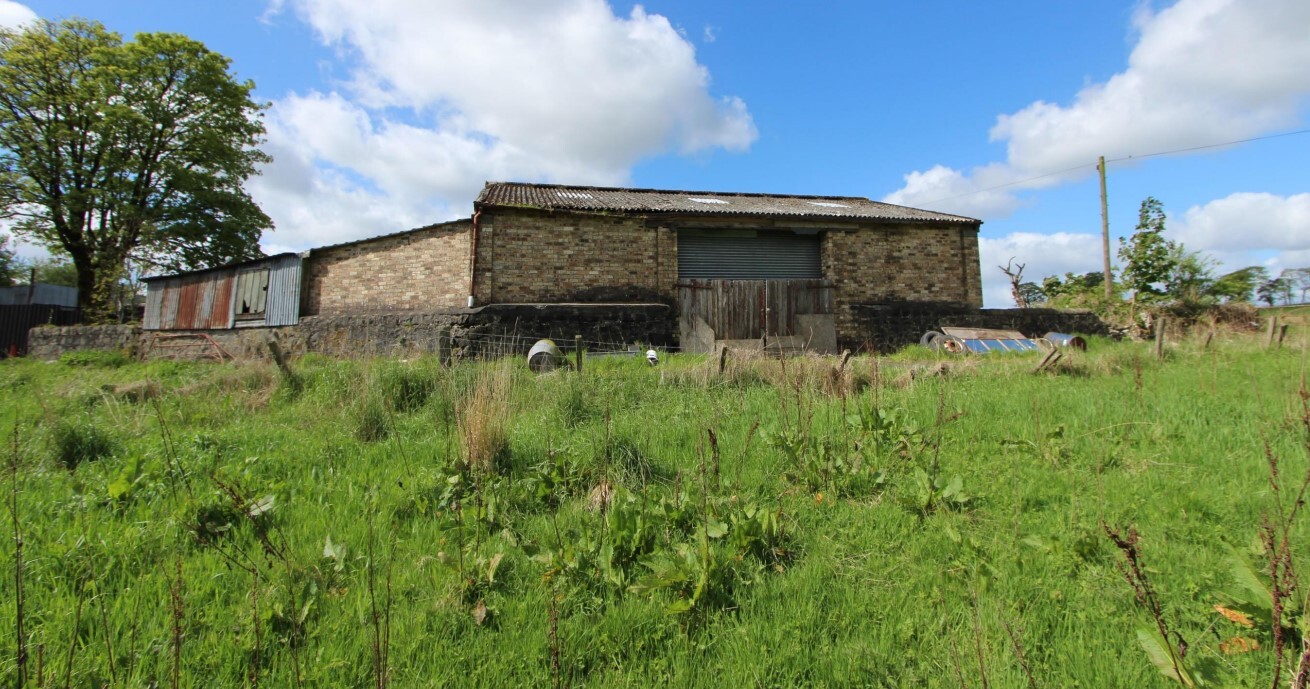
(892, 522)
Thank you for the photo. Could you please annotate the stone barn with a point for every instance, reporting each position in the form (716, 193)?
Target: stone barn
(737, 266)
(725, 266)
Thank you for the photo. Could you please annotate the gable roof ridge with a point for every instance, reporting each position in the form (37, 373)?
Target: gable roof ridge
(636, 200)
(692, 192)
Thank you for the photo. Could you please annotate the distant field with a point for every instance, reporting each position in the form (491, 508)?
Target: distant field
(904, 521)
(1298, 313)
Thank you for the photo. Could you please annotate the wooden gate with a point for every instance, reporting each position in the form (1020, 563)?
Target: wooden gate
(750, 309)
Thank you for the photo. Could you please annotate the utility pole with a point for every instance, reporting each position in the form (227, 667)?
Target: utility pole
(1105, 232)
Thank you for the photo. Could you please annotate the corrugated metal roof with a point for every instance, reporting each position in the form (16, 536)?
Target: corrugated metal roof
(645, 201)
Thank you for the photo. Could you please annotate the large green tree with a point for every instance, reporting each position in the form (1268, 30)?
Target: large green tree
(113, 150)
(1150, 259)
(10, 266)
(1239, 284)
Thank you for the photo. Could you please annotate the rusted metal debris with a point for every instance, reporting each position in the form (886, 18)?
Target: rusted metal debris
(987, 340)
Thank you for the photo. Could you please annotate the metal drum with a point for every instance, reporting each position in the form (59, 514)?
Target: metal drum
(545, 356)
(1064, 340)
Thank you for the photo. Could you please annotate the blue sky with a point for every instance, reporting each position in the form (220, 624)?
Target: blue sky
(391, 114)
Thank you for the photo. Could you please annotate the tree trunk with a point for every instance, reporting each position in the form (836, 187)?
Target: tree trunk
(86, 280)
(96, 281)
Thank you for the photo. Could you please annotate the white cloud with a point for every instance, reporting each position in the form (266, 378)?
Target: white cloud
(445, 95)
(1247, 221)
(1247, 228)
(950, 191)
(1202, 71)
(14, 15)
(1041, 254)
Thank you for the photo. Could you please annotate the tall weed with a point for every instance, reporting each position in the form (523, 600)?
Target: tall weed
(484, 419)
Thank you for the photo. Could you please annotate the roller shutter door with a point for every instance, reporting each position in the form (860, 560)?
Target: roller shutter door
(748, 256)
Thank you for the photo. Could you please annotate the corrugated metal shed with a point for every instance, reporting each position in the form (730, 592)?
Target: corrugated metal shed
(708, 203)
(207, 299)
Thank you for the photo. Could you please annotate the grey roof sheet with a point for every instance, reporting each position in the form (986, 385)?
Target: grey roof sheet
(643, 201)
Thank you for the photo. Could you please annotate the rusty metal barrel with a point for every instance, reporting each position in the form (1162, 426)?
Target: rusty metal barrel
(545, 356)
(1066, 340)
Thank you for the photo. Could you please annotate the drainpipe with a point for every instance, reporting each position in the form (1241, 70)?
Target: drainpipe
(473, 257)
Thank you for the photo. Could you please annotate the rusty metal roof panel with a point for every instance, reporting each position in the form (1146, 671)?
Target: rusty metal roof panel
(190, 302)
(646, 201)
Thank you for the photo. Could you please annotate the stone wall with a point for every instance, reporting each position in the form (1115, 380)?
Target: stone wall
(512, 328)
(888, 327)
(502, 329)
(49, 341)
(528, 256)
(420, 270)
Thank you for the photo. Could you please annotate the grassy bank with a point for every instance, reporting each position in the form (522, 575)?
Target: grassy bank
(896, 522)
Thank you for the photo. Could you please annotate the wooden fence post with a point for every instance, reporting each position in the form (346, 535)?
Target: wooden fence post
(443, 347)
(275, 353)
(1159, 336)
(1273, 328)
(577, 352)
(1282, 334)
(723, 359)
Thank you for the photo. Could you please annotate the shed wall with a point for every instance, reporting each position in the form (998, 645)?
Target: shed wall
(415, 271)
(203, 301)
(199, 301)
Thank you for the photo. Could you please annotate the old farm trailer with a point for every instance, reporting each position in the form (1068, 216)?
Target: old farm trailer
(263, 292)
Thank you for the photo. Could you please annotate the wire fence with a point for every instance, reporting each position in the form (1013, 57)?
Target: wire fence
(510, 343)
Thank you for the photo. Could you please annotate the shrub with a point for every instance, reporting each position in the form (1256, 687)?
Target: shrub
(79, 440)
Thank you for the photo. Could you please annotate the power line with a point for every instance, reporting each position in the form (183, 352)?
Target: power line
(1201, 148)
(1120, 160)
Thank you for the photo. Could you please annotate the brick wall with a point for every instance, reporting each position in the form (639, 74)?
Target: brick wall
(900, 263)
(419, 270)
(531, 256)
